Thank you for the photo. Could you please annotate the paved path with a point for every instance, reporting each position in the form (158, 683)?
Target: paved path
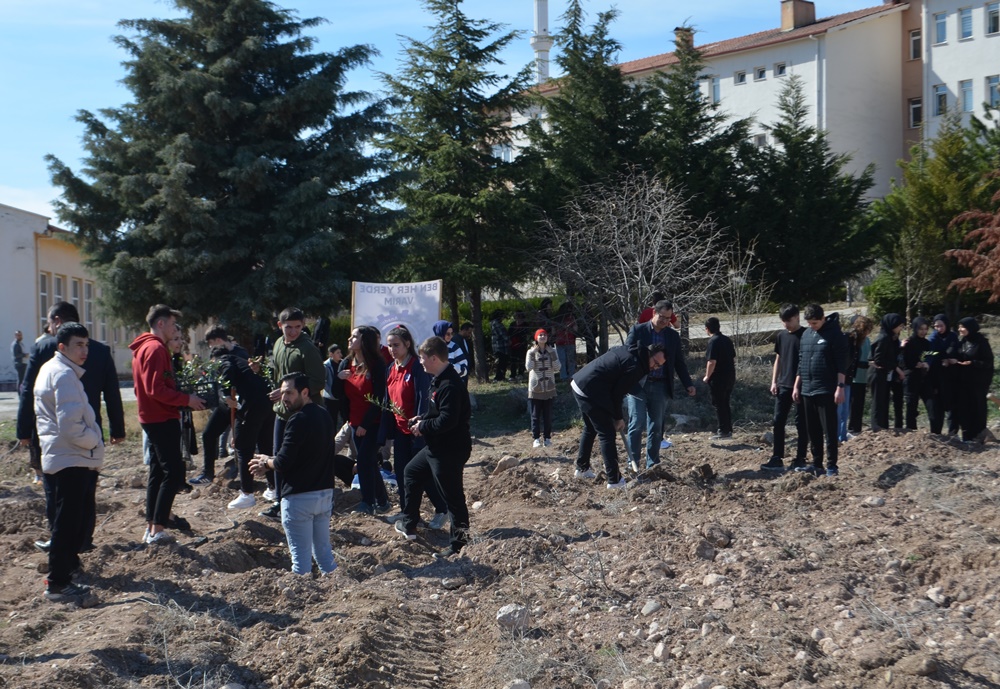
(8, 403)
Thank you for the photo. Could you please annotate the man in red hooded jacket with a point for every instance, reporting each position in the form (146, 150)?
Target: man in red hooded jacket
(159, 403)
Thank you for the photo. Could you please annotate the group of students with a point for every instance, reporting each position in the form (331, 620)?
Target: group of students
(825, 374)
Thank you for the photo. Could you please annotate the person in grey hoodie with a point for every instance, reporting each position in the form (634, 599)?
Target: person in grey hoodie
(72, 446)
(823, 359)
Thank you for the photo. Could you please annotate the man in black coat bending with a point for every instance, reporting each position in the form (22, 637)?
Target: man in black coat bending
(445, 427)
(600, 387)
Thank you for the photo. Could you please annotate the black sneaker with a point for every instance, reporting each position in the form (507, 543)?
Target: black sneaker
(773, 464)
(87, 547)
(446, 553)
(185, 488)
(798, 464)
(201, 480)
(44, 546)
(363, 508)
(65, 592)
(384, 508)
(272, 512)
(178, 523)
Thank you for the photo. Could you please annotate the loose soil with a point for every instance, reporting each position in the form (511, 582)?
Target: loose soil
(706, 573)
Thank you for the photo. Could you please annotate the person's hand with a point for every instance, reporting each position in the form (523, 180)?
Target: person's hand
(838, 397)
(774, 389)
(25, 442)
(705, 379)
(415, 429)
(796, 395)
(258, 465)
(360, 432)
(115, 441)
(344, 375)
(691, 391)
(196, 402)
(254, 364)
(620, 425)
(231, 403)
(274, 395)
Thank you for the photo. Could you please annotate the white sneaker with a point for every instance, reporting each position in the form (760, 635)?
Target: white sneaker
(439, 521)
(145, 535)
(401, 529)
(160, 538)
(244, 500)
(548, 442)
(618, 486)
(586, 473)
(665, 444)
(270, 494)
(537, 443)
(398, 517)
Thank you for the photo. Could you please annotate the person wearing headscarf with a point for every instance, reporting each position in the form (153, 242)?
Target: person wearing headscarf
(885, 361)
(456, 354)
(915, 369)
(942, 346)
(861, 348)
(975, 373)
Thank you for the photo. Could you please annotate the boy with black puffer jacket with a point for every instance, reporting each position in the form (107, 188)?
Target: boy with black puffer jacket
(823, 359)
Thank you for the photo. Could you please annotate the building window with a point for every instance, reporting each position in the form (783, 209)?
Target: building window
(780, 69)
(57, 288)
(740, 78)
(715, 88)
(940, 28)
(760, 140)
(43, 300)
(916, 113)
(993, 91)
(916, 45)
(75, 293)
(965, 23)
(965, 95)
(993, 18)
(760, 73)
(940, 100)
(504, 152)
(88, 305)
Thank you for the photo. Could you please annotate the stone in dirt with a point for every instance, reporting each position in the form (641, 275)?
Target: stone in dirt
(703, 682)
(513, 617)
(767, 438)
(704, 551)
(517, 684)
(650, 607)
(918, 665)
(936, 594)
(874, 501)
(508, 462)
(452, 583)
(716, 535)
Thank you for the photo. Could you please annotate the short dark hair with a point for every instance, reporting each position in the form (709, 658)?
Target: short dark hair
(216, 333)
(788, 311)
(68, 330)
(65, 312)
(160, 311)
(219, 350)
(813, 312)
(655, 349)
(292, 313)
(465, 325)
(663, 304)
(434, 346)
(713, 325)
(332, 348)
(300, 381)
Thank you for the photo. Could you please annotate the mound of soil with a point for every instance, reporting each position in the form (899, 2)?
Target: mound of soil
(707, 572)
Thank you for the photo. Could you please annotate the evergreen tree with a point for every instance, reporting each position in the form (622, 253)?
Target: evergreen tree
(806, 213)
(596, 124)
(238, 180)
(463, 221)
(695, 144)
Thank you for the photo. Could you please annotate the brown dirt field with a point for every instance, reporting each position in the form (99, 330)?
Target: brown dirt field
(886, 576)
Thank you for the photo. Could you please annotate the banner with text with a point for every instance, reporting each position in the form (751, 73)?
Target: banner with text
(417, 305)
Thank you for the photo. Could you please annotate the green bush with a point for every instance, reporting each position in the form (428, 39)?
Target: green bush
(885, 295)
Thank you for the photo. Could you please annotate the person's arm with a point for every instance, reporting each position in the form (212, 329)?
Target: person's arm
(680, 366)
(374, 413)
(70, 410)
(709, 370)
(449, 407)
(290, 454)
(113, 401)
(529, 360)
(26, 409)
(774, 374)
(312, 362)
(154, 381)
(797, 388)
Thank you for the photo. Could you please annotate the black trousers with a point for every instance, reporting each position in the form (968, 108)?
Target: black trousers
(253, 432)
(783, 404)
(880, 401)
(722, 393)
(517, 361)
(218, 422)
(166, 469)
(858, 391)
(446, 472)
(821, 424)
(943, 385)
(70, 495)
(502, 360)
(598, 423)
(915, 390)
(404, 448)
(970, 408)
(541, 418)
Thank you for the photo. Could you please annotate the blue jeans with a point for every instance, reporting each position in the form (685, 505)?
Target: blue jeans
(306, 520)
(647, 411)
(567, 360)
(844, 415)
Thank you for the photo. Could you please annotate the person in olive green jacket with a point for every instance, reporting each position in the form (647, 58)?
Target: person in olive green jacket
(293, 353)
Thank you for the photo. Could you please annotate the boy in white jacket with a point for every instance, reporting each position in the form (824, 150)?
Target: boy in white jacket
(71, 446)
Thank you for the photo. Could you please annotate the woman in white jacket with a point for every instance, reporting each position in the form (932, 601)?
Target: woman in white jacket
(71, 446)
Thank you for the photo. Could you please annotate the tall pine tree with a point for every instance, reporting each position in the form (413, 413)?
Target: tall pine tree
(463, 221)
(239, 178)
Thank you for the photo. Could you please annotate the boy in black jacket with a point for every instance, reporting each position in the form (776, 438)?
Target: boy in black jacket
(820, 385)
(445, 427)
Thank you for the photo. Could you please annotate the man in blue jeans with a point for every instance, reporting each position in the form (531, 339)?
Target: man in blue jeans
(304, 466)
(647, 401)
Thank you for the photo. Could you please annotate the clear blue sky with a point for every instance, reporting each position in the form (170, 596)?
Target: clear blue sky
(57, 57)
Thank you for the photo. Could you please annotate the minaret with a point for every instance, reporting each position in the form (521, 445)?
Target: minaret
(541, 41)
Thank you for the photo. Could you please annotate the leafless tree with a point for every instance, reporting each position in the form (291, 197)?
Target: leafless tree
(623, 239)
(746, 302)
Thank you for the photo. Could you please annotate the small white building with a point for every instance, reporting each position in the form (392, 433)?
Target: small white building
(40, 265)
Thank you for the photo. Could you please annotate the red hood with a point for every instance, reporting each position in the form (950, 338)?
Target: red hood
(143, 339)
